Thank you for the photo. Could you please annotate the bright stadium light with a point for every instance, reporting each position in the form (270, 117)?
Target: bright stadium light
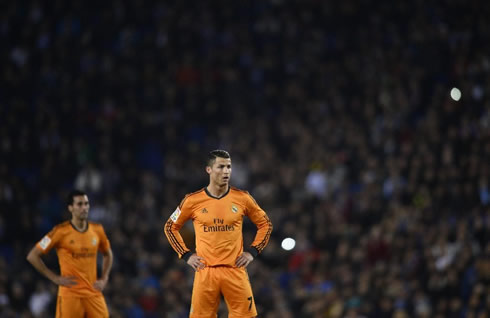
(455, 94)
(288, 243)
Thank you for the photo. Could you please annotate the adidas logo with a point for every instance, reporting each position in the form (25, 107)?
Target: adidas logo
(204, 210)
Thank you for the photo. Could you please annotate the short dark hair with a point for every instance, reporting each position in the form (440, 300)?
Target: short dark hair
(212, 155)
(72, 195)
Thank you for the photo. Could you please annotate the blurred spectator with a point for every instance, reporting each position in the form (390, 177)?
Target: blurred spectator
(40, 299)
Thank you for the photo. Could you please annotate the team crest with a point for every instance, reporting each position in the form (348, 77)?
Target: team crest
(234, 209)
(94, 241)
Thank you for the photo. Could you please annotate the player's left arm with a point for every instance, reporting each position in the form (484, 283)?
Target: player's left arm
(264, 229)
(107, 259)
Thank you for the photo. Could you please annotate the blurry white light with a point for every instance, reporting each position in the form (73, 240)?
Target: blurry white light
(455, 94)
(288, 244)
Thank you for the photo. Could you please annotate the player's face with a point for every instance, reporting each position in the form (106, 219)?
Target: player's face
(220, 172)
(80, 206)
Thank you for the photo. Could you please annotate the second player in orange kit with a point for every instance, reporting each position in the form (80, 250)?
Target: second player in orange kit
(77, 243)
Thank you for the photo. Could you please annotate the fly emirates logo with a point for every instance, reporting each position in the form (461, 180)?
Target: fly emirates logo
(218, 226)
(85, 253)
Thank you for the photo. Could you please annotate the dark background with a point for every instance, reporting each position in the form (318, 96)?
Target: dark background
(338, 118)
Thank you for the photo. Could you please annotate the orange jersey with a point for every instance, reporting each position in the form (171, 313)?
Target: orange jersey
(218, 225)
(77, 255)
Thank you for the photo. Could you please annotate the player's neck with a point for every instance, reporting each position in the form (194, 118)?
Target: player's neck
(217, 190)
(80, 225)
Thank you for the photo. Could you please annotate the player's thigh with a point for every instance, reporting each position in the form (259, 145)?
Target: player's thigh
(69, 307)
(237, 292)
(205, 294)
(95, 307)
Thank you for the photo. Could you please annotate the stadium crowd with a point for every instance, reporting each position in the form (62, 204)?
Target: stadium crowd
(338, 118)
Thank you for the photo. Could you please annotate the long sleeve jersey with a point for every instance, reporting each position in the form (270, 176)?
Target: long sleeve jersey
(218, 226)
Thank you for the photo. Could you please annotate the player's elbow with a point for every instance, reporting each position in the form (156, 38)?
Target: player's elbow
(108, 255)
(268, 226)
(32, 255)
(169, 227)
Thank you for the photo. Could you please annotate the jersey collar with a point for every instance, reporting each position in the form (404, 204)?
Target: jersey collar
(217, 198)
(75, 228)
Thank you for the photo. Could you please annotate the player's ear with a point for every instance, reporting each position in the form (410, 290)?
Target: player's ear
(208, 169)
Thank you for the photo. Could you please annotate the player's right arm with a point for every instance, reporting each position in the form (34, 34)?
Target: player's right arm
(43, 247)
(171, 229)
(34, 257)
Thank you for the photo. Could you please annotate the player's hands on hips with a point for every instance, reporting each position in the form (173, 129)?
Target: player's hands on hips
(66, 281)
(100, 284)
(244, 259)
(196, 262)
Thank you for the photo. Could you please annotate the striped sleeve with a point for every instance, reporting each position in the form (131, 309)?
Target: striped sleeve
(173, 225)
(263, 223)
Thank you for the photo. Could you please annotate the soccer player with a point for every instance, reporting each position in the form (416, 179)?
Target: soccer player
(77, 243)
(220, 260)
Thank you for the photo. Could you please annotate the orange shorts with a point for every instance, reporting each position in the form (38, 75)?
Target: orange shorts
(212, 282)
(80, 307)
